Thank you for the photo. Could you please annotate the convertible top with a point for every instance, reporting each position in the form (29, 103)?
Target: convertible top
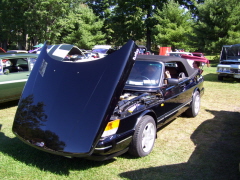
(168, 59)
(230, 52)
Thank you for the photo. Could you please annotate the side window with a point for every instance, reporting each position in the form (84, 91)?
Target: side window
(175, 70)
(22, 64)
(171, 70)
(17, 65)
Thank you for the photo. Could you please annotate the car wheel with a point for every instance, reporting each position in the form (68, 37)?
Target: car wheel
(195, 105)
(220, 78)
(8, 63)
(144, 137)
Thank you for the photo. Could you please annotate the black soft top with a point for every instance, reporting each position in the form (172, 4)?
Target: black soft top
(181, 62)
(230, 52)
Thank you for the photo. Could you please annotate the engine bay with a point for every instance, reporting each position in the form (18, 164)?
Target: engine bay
(132, 101)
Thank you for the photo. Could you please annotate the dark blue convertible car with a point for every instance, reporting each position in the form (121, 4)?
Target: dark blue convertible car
(99, 109)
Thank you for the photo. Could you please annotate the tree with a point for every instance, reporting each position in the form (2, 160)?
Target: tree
(12, 22)
(35, 21)
(103, 10)
(234, 31)
(43, 17)
(174, 26)
(128, 24)
(83, 28)
(217, 24)
(135, 20)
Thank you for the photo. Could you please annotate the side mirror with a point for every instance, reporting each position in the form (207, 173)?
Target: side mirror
(172, 81)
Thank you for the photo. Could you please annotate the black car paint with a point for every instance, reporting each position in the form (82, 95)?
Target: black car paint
(60, 126)
(88, 109)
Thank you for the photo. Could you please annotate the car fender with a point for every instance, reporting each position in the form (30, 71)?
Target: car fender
(146, 112)
(196, 89)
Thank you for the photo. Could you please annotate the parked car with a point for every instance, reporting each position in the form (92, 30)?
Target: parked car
(191, 57)
(229, 65)
(199, 54)
(14, 75)
(143, 50)
(179, 54)
(103, 108)
(100, 51)
(17, 51)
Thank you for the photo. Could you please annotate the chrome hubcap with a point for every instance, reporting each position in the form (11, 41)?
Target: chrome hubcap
(197, 104)
(148, 137)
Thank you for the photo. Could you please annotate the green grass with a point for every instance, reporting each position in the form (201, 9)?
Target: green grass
(205, 147)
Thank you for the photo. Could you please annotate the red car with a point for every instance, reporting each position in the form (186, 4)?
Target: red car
(198, 54)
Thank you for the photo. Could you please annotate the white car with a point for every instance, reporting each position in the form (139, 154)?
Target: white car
(178, 54)
(229, 65)
(101, 50)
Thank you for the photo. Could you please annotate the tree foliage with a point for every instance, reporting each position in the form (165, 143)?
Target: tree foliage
(135, 19)
(174, 26)
(24, 23)
(82, 28)
(218, 23)
(32, 20)
(101, 8)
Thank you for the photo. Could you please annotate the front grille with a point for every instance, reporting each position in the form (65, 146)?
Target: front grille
(226, 62)
(235, 71)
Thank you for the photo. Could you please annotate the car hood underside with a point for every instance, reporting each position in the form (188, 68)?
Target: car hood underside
(65, 106)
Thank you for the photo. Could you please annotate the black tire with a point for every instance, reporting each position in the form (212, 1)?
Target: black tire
(194, 106)
(144, 137)
(220, 78)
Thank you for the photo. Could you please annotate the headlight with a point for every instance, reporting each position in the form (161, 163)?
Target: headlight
(220, 69)
(111, 128)
(226, 69)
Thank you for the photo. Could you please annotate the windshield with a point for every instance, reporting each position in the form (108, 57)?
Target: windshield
(145, 74)
(231, 53)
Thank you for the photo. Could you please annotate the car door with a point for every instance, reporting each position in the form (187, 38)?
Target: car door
(12, 83)
(174, 95)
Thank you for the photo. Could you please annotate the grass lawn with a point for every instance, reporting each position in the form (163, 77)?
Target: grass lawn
(205, 147)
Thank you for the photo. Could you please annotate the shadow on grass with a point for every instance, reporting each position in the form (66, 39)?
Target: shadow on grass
(216, 155)
(213, 77)
(44, 161)
(8, 104)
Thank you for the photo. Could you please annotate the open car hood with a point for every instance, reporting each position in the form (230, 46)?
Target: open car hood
(65, 106)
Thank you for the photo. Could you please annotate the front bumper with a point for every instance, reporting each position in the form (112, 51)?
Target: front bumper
(107, 148)
(232, 70)
(115, 144)
(234, 75)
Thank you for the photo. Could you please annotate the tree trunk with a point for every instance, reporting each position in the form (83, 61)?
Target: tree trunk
(148, 46)
(4, 45)
(149, 32)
